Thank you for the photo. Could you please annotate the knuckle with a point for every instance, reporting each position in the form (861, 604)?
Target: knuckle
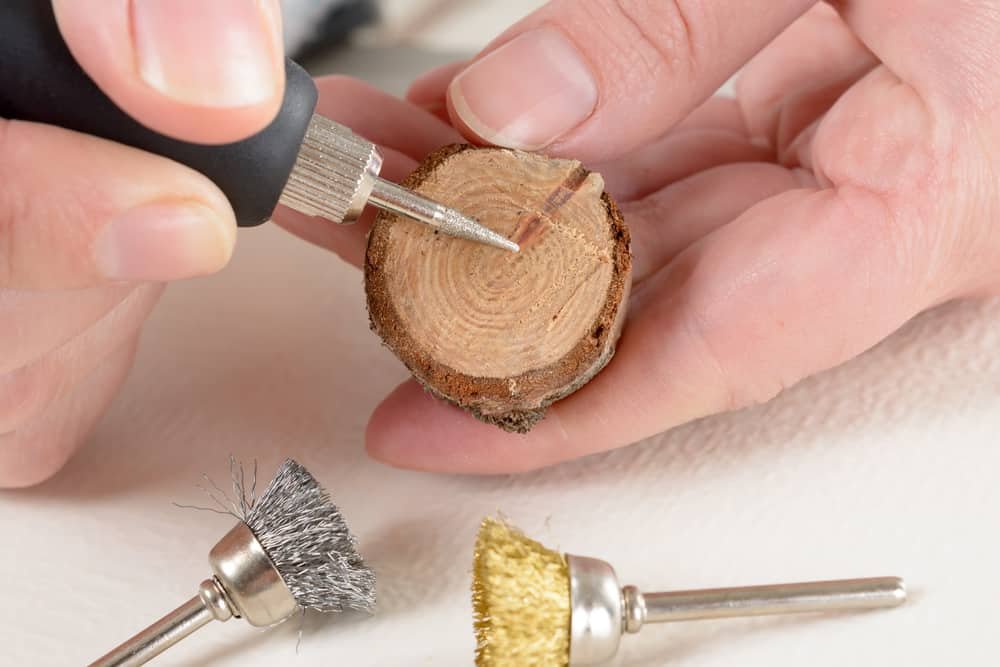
(663, 37)
(40, 227)
(895, 243)
(730, 390)
(8, 208)
(12, 334)
(965, 59)
(899, 184)
(15, 203)
(973, 245)
(25, 393)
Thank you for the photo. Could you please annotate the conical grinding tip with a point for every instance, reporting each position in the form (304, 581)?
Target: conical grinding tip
(392, 197)
(453, 223)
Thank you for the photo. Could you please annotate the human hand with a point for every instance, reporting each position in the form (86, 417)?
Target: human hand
(90, 230)
(851, 184)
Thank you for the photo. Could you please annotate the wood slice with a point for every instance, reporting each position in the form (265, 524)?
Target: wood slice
(500, 334)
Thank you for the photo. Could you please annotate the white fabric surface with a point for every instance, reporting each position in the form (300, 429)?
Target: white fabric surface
(884, 466)
(447, 25)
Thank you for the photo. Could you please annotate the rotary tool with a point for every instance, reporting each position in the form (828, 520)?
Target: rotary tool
(302, 160)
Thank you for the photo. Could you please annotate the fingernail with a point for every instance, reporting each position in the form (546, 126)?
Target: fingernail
(217, 53)
(528, 93)
(163, 241)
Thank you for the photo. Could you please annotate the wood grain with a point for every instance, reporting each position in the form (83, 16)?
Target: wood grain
(503, 335)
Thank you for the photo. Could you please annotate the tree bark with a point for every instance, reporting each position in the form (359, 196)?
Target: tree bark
(503, 335)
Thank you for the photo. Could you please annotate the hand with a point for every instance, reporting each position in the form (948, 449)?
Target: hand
(90, 230)
(851, 184)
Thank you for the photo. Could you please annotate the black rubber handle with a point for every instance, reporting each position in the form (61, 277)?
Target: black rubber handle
(40, 81)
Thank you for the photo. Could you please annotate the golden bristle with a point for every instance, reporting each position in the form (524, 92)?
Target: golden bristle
(520, 598)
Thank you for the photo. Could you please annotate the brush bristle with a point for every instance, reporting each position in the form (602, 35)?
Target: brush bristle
(520, 598)
(309, 543)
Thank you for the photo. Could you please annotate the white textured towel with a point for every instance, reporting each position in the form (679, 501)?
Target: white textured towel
(885, 466)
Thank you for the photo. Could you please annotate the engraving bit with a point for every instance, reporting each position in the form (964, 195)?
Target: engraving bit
(336, 175)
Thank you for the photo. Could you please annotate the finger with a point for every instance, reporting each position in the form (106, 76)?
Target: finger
(675, 158)
(430, 90)
(76, 211)
(946, 50)
(719, 113)
(27, 392)
(665, 223)
(29, 327)
(209, 72)
(34, 453)
(915, 158)
(799, 75)
(799, 283)
(595, 79)
(713, 135)
(383, 118)
(347, 241)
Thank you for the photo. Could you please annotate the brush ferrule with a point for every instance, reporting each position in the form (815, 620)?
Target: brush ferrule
(596, 611)
(249, 580)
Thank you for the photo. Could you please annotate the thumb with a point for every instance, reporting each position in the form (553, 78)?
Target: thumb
(209, 72)
(596, 78)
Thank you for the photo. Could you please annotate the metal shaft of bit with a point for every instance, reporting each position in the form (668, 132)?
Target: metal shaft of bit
(816, 596)
(209, 605)
(337, 174)
(397, 199)
(602, 611)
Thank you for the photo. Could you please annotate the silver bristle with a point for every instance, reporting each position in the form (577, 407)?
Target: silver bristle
(290, 551)
(306, 537)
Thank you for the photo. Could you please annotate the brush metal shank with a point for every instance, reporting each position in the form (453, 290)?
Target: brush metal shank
(602, 610)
